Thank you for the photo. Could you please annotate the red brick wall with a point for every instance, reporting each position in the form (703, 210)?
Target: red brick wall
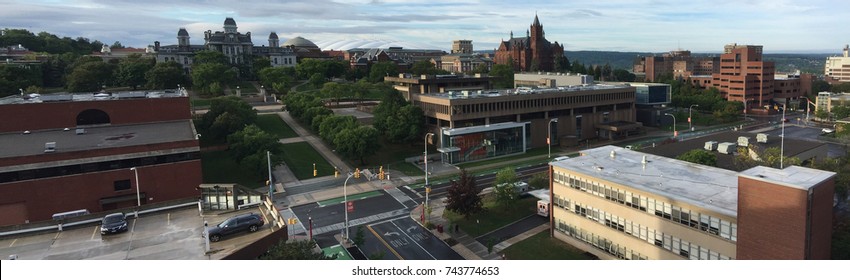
(45, 197)
(57, 115)
(772, 221)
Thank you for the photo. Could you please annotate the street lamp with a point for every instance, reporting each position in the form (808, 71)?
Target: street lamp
(138, 197)
(690, 122)
(345, 197)
(427, 187)
(782, 145)
(549, 138)
(675, 133)
(271, 183)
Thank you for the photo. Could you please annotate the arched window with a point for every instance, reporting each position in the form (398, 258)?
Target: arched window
(92, 116)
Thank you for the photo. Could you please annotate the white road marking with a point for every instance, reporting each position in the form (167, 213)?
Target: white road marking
(414, 241)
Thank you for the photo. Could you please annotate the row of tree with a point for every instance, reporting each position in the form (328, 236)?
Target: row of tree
(49, 43)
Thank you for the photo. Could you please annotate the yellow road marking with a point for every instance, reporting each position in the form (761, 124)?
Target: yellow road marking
(385, 243)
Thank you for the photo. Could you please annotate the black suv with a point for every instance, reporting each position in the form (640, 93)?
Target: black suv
(246, 222)
(113, 223)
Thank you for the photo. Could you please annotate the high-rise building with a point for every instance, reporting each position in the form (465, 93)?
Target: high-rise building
(621, 204)
(744, 76)
(530, 53)
(462, 46)
(837, 68)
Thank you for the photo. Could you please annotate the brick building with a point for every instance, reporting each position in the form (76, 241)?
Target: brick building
(530, 53)
(72, 152)
(622, 204)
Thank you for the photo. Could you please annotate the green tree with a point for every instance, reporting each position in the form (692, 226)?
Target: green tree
(729, 112)
(209, 56)
(165, 75)
(462, 196)
(503, 76)
(821, 114)
(91, 76)
(819, 86)
(424, 67)
(294, 250)
(205, 74)
(562, 64)
(272, 76)
(311, 113)
(387, 110)
(504, 187)
(116, 45)
(226, 116)
(358, 142)
(381, 69)
(747, 158)
(699, 156)
(481, 68)
(249, 146)
(405, 125)
(840, 112)
(317, 80)
(623, 75)
(15, 77)
(359, 237)
(332, 125)
(539, 181)
(132, 70)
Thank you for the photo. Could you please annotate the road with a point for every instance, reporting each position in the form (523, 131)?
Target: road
(406, 240)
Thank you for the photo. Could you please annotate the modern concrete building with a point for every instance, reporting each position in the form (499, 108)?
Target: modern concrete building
(462, 62)
(72, 152)
(622, 204)
(480, 124)
(462, 46)
(837, 68)
(550, 80)
(530, 53)
(409, 84)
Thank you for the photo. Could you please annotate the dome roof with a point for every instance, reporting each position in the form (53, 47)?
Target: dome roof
(229, 21)
(300, 42)
(182, 32)
(273, 35)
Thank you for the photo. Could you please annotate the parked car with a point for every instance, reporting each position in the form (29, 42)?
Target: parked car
(250, 222)
(113, 223)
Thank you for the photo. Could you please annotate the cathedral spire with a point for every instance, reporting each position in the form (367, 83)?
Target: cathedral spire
(536, 21)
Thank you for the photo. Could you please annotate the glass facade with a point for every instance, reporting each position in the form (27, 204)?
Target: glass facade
(482, 142)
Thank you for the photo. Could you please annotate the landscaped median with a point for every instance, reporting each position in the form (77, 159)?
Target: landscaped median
(341, 199)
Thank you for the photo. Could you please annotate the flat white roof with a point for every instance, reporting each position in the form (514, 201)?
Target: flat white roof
(793, 176)
(481, 128)
(703, 186)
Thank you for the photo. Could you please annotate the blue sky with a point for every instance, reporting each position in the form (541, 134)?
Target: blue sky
(619, 25)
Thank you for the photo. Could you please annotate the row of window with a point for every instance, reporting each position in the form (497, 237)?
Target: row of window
(286, 61)
(73, 169)
(600, 242)
(693, 219)
(668, 242)
(537, 103)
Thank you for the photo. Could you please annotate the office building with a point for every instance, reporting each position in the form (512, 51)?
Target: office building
(621, 204)
(463, 62)
(70, 152)
(462, 46)
(550, 80)
(675, 64)
(826, 101)
(837, 68)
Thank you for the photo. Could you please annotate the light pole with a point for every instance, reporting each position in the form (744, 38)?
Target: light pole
(271, 183)
(138, 196)
(675, 133)
(427, 187)
(782, 145)
(345, 197)
(690, 121)
(807, 109)
(549, 137)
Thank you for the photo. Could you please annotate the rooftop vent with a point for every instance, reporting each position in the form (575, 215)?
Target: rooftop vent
(710, 145)
(761, 138)
(80, 131)
(613, 154)
(744, 141)
(49, 147)
(644, 160)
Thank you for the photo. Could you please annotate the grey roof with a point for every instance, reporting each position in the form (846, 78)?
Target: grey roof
(95, 138)
(182, 32)
(229, 21)
(703, 186)
(300, 42)
(793, 176)
(273, 35)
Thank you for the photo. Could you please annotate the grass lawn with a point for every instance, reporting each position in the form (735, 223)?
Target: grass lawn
(407, 168)
(392, 154)
(272, 123)
(246, 87)
(219, 167)
(541, 246)
(494, 216)
(300, 158)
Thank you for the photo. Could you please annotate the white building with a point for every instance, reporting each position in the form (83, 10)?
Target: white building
(838, 67)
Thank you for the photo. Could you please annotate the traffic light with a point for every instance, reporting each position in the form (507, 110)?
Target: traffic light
(314, 170)
(381, 173)
(336, 173)
(357, 173)
(268, 182)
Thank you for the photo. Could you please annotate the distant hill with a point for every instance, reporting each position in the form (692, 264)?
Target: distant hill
(806, 63)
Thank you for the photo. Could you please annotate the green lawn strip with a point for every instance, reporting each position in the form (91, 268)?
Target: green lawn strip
(541, 246)
(300, 157)
(246, 87)
(358, 196)
(272, 123)
(219, 167)
(494, 217)
(337, 252)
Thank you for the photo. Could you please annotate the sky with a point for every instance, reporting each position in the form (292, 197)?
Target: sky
(811, 26)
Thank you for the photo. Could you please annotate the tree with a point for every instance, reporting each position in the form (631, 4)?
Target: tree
(116, 45)
(623, 75)
(356, 143)
(562, 64)
(729, 112)
(462, 196)
(504, 187)
(91, 76)
(821, 114)
(317, 80)
(271, 76)
(165, 75)
(749, 157)
(16, 77)
(539, 181)
(294, 250)
(699, 156)
(503, 76)
(205, 74)
(481, 68)
(405, 125)
(378, 70)
(226, 116)
(249, 146)
(819, 86)
(391, 101)
(332, 125)
(132, 70)
(424, 67)
(359, 237)
(840, 112)
(209, 56)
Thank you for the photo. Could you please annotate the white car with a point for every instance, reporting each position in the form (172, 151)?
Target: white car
(827, 130)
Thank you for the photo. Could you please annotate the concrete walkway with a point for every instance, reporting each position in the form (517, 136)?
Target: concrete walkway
(314, 141)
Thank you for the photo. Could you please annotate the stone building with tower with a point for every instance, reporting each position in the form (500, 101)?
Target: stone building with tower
(530, 53)
(237, 47)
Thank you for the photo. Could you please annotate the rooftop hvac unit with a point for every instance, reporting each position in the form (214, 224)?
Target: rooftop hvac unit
(727, 148)
(710, 145)
(744, 141)
(761, 138)
(80, 131)
(49, 147)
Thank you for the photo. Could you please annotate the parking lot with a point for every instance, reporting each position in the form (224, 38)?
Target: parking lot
(175, 234)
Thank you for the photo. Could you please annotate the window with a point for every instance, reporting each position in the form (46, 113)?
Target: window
(121, 185)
